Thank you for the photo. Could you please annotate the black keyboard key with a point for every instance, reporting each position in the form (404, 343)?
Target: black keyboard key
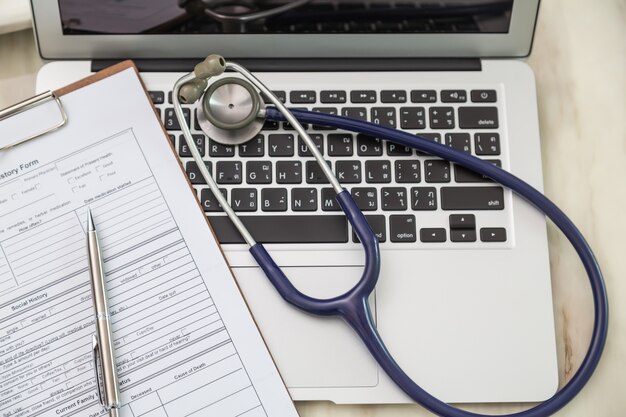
(365, 198)
(287, 125)
(325, 110)
(284, 229)
(244, 199)
(378, 172)
(169, 98)
(487, 143)
(332, 97)
(463, 235)
(348, 172)
(394, 198)
(423, 96)
(329, 200)
(393, 96)
(303, 97)
(314, 173)
(253, 148)
(219, 150)
(281, 145)
(377, 223)
(472, 198)
(435, 137)
(281, 95)
(363, 96)
(196, 124)
(208, 200)
(453, 96)
(407, 171)
(194, 174)
(493, 234)
(398, 150)
(384, 116)
(442, 118)
(433, 235)
(484, 96)
(369, 146)
(228, 172)
(478, 117)
(459, 141)
(358, 113)
(402, 228)
(259, 172)
(340, 144)
(412, 118)
(274, 199)
(464, 175)
(289, 172)
(271, 125)
(436, 170)
(304, 199)
(183, 149)
(462, 221)
(171, 121)
(172, 139)
(157, 97)
(318, 140)
(424, 198)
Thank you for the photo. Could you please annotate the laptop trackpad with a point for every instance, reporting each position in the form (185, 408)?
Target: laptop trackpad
(309, 351)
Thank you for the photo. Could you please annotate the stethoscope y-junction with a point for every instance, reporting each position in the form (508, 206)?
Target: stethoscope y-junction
(232, 112)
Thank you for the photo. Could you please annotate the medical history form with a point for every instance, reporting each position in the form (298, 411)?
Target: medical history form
(184, 340)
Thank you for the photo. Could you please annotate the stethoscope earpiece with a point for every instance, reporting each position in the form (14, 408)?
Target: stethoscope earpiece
(192, 91)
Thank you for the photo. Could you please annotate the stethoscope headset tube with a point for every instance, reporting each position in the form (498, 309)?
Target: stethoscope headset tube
(353, 306)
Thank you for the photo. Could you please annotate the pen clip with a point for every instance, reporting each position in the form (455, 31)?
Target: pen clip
(96, 354)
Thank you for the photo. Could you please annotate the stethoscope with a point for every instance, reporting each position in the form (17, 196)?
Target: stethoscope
(232, 112)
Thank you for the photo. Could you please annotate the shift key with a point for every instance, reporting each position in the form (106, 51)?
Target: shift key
(472, 198)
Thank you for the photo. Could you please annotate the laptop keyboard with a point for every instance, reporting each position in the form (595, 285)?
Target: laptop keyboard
(409, 198)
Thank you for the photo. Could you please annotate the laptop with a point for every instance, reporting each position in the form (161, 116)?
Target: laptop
(464, 299)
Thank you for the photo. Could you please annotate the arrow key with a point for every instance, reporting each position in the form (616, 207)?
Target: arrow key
(462, 221)
(433, 235)
(463, 235)
(493, 234)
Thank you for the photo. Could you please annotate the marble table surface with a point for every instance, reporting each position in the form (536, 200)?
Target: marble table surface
(579, 60)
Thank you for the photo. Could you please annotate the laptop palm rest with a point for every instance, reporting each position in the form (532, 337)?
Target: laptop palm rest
(309, 351)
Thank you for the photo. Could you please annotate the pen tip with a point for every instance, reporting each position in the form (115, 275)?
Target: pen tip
(90, 225)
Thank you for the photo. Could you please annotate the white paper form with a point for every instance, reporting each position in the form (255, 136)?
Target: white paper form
(184, 340)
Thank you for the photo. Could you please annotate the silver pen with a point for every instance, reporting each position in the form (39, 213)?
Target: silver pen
(102, 340)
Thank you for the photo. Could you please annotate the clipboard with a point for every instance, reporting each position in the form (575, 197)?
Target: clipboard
(262, 389)
(55, 96)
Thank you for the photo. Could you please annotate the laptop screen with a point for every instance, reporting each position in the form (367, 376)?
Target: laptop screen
(127, 17)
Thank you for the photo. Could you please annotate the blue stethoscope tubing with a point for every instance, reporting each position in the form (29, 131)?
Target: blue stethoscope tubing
(353, 306)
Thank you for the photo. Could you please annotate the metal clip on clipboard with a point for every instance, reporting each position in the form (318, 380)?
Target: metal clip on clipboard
(29, 104)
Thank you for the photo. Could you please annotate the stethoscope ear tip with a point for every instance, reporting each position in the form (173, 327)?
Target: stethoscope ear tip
(192, 91)
(213, 65)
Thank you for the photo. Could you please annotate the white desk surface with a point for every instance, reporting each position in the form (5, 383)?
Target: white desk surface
(579, 60)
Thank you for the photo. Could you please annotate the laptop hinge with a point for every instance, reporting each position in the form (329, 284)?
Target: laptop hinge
(309, 64)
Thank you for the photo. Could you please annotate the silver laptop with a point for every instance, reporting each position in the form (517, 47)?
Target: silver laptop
(464, 300)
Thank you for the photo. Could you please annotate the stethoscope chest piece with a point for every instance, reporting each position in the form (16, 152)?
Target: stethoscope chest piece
(229, 112)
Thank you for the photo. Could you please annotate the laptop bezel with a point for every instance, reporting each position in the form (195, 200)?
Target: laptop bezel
(53, 44)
